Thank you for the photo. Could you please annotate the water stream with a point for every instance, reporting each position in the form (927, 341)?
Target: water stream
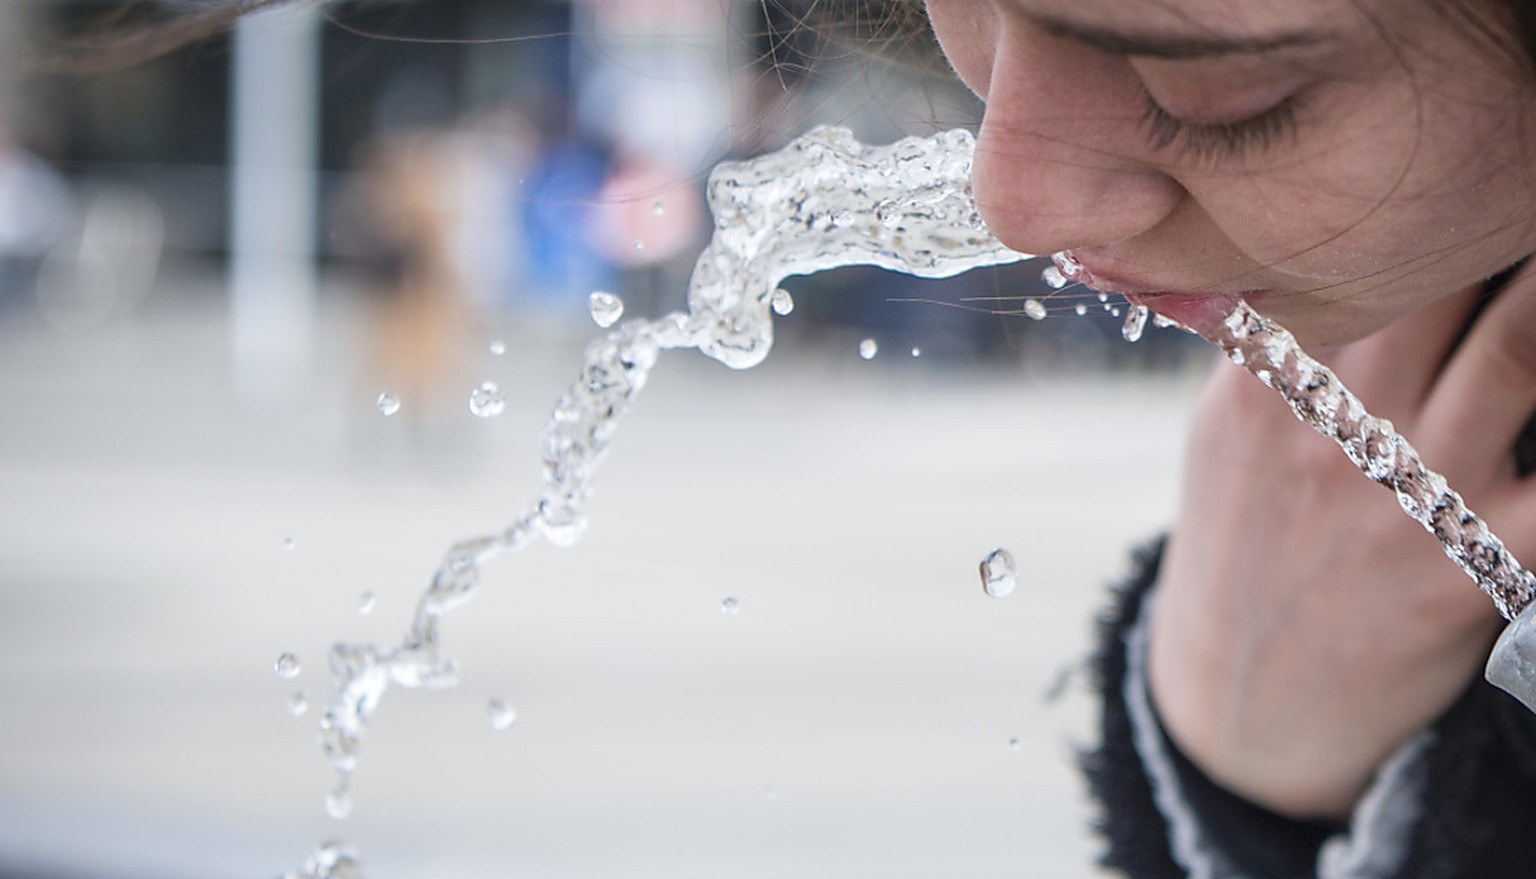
(827, 201)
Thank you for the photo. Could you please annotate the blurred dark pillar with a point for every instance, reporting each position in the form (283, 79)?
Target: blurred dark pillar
(13, 24)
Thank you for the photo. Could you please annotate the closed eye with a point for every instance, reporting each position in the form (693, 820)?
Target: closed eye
(1213, 142)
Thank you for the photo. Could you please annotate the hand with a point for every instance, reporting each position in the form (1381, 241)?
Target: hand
(1305, 627)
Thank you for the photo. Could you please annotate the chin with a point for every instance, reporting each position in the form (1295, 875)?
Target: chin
(1326, 324)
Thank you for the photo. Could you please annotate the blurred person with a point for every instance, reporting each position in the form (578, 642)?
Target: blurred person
(401, 221)
(562, 265)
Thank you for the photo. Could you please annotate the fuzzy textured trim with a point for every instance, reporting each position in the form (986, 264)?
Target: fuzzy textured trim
(1456, 802)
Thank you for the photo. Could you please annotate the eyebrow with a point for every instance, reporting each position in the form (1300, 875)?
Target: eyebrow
(1176, 46)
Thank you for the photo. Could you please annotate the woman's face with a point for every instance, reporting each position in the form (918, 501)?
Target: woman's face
(1336, 162)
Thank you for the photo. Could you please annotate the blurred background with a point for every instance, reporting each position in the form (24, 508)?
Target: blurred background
(219, 265)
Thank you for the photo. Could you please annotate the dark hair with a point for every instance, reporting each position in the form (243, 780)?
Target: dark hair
(134, 34)
(888, 28)
(1507, 26)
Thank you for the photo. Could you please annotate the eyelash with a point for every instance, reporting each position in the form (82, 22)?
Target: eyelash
(1211, 142)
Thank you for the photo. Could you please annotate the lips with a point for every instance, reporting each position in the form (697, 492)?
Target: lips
(1200, 312)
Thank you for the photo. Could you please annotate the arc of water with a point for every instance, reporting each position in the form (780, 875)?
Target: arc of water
(822, 202)
(827, 201)
(1319, 399)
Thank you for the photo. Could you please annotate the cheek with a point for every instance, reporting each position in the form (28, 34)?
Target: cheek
(1425, 207)
(1367, 189)
(1395, 193)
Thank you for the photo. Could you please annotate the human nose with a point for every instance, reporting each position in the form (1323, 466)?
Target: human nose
(1061, 160)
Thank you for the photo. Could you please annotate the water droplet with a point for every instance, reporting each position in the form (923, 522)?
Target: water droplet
(287, 666)
(288, 543)
(868, 349)
(562, 523)
(298, 703)
(338, 803)
(1053, 277)
(606, 308)
(487, 401)
(388, 403)
(1103, 297)
(1114, 311)
(999, 574)
(1014, 744)
(639, 245)
(770, 793)
(498, 347)
(332, 860)
(501, 714)
(365, 603)
(1135, 323)
(1080, 309)
(1035, 309)
(782, 302)
(730, 607)
(917, 352)
(1066, 262)
(658, 209)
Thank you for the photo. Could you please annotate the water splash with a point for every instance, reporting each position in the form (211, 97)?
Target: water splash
(999, 574)
(605, 307)
(1135, 323)
(782, 302)
(1271, 354)
(487, 400)
(1319, 399)
(338, 803)
(1378, 451)
(332, 860)
(1053, 277)
(501, 715)
(822, 202)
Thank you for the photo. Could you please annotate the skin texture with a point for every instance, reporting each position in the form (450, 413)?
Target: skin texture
(1354, 169)
(1401, 180)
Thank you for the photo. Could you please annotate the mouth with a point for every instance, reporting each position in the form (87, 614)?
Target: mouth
(1200, 313)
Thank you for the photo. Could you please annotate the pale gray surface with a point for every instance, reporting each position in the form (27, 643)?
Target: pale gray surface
(852, 720)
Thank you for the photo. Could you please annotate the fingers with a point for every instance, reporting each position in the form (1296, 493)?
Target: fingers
(1488, 389)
